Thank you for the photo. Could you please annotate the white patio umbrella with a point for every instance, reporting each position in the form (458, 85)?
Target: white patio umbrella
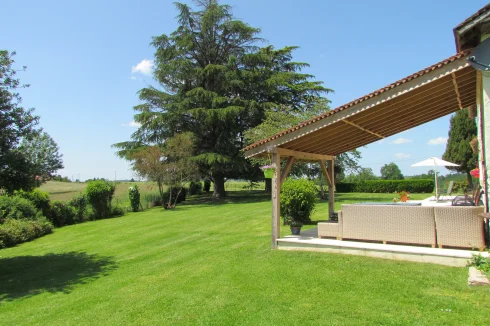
(434, 162)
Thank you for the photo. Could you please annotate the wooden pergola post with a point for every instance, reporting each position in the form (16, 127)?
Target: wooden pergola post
(331, 188)
(276, 206)
(328, 172)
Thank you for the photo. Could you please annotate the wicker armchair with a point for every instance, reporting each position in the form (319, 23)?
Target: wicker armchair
(460, 226)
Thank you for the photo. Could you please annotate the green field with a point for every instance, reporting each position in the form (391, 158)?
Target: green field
(65, 191)
(210, 263)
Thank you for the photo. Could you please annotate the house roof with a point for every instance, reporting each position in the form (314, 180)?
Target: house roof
(428, 94)
(467, 34)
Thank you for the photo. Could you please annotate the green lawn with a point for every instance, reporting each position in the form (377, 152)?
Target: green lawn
(211, 264)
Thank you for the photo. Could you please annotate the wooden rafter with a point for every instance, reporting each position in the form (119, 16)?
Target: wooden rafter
(287, 168)
(458, 96)
(362, 128)
(325, 172)
(302, 155)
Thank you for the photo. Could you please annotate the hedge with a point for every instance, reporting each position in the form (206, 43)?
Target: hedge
(387, 186)
(13, 231)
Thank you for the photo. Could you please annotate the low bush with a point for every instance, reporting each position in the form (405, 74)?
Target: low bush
(298, 200)
(79, 203)
(175, 191)
(134, 198)
(195, 188)
(62, 214)
(118, 211)
(387, 186)
(13, 231)
(481, 263)
(14, 207)
(461, 187)
(39, 198)
(99, 194)
(207, 185)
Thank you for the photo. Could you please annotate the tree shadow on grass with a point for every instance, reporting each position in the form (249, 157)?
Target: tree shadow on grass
(26, 276)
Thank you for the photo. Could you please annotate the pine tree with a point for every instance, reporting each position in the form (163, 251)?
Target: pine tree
(216, 83)
(462, 130)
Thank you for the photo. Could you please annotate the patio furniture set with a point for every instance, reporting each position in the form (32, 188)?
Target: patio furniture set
(451, 226)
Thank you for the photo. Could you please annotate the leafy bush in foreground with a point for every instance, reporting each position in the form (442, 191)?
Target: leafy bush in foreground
(79, 203)
(134, 198)
(17, 208)
(13, 232)
(39, 198)
(118, 211)
(298, 200)
(61, 214)
(99, 194)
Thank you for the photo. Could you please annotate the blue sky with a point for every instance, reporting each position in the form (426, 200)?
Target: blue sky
(85, 63)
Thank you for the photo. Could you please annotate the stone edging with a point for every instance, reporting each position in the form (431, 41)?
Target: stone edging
(476, 277)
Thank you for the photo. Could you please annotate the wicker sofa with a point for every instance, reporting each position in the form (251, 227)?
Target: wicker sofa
(443, 226)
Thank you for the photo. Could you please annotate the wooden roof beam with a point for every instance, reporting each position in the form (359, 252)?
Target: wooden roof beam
(362, 128)
(302, 155)
(458, 97)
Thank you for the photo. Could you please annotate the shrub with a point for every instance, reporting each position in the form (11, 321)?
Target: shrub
(79, 204)
(207, 185)
(195, 188)
(39, 198)
(298, 200)
(461, 187)
(61, 214)
(99, 194)
(13, 231)
(118, 211)
(17, 208)
(182, 195)
(481, 263)
(175, 191)
(134, 198)
(387, 186)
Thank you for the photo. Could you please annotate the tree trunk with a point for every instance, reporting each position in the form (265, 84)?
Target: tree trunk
(470, 180)
(170, 197)
(268, 186)
(160, 189)
(219, 187)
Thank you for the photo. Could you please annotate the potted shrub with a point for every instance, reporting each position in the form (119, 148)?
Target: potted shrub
(295, 226)
(403, 196)
(298, 200)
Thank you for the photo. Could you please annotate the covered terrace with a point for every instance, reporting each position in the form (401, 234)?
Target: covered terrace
(436, 91)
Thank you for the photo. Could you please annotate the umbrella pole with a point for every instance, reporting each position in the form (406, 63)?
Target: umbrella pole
(435, 177)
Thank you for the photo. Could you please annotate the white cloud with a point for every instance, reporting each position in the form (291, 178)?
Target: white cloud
(132, 124)
(438, 141)
(132, 78)
(144, 67)
(402, 155)
(402, 140)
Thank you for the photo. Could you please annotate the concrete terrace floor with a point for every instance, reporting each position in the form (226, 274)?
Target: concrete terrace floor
(308, 241)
